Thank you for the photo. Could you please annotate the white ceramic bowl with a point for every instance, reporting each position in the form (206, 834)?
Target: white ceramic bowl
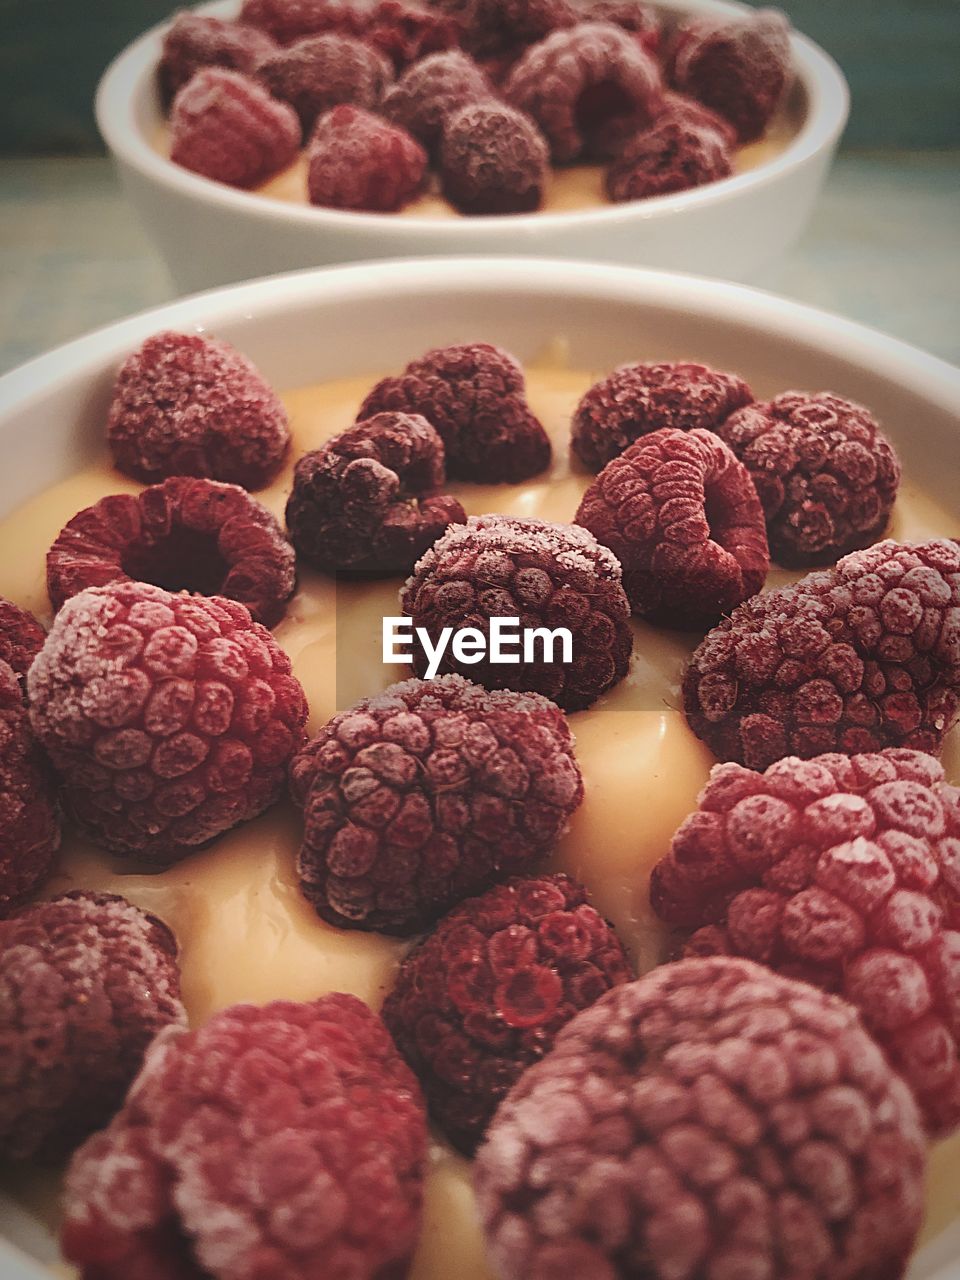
(212, 234)
(312, 326)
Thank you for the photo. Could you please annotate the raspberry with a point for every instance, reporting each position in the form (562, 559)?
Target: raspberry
(183, 535)
(639, 19)
(669, 156)
(688, 111)
(711, 1121)
(432, 91)
(737, 67)
(841, 871)
(170, 718)
(403, 32)
(493, 159)
(588, 88)
(856, 658)
(358, 161)
(487, 991)
(193, 41)
(290, 20)
(316, 74)
(287, 1141)
(367, 501)
(826, 474)
(86, 982)
(474, 395)
(21, 637)
(493, 28)
(29, 819)
(225, 125)
(637, 399)
(428, 793)
(188, 405)
(545, 575)
(681, 514)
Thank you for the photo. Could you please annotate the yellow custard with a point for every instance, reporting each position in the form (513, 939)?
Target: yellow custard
(244, 930)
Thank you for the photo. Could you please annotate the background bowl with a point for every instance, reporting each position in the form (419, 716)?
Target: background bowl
(211, 234)
(313, 326)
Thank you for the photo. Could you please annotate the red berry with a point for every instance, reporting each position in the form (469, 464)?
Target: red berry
(637, 399)
(290, 20)
(405, 33)
(855, 658)
(484, 995)
(433, 90)
(170, 718)
(641, 20)
(474, 395)
(21, 637)
(545, 575)
(320, 72)
(588, 88)
(843, 871)
(428, 793)
(86, 982)
(494, 28)
(682, 515)
(669, 156)
(188, 405)
(688, 111)
(711, 1121)
(402, 31)
(225, 125)
(367, 501)
(274, 1143)
(195, 40)
(493, 159)
(826, 474)
(358, 161)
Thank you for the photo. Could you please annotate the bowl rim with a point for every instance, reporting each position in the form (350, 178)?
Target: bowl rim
(129, 77)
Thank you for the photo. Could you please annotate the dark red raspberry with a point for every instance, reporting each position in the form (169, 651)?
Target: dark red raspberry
(290, 20)
(29, 818)
(188, 405)
(225, 125)
(195, 40)
(855, 658)
(688, 111)
(826, 474)
(404, 32)
(86, 982)
(682, 516)
(484, 995)
(318, 73)
(367, 502)
(170, 718)
(738, 67)
(845, 872)
(637, 399)
(21, 637)
(432, 91)
(427, 793)
(711, 1121)
(281, 1142)
(669, 156)
(588, 89)
(547, 576)
(358, 161)
(641, 20)
(493, 159)
(497, 28)
(475, 396)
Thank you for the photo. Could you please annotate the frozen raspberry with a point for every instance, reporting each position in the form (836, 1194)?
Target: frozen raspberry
(316, 74)
(427, 793)
(487, 991)
(194, 40)
(226, 126)
(29, 819)
(637, 399)
(183, 535)
(367, 502)
(21, 637)
(358, 161)
(855, 658)
(503, 28)
(843, 871)
(290, 20)
(188, 405)
(688, 111)
(738, 67)
(475, 396)
(286, 1142)
(682, 516)
(493, 159)
(432, 91)
(405, 33)
(402, 31)
(86, 982)
(170, 718)
(641, 20)
(546, 575)
(711, 1121)
(826, 474)
(588, 88)
(669, 156)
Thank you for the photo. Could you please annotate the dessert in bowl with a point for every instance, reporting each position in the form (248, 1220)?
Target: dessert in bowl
(250, 927)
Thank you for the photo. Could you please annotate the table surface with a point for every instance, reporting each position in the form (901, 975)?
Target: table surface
(883, 248)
